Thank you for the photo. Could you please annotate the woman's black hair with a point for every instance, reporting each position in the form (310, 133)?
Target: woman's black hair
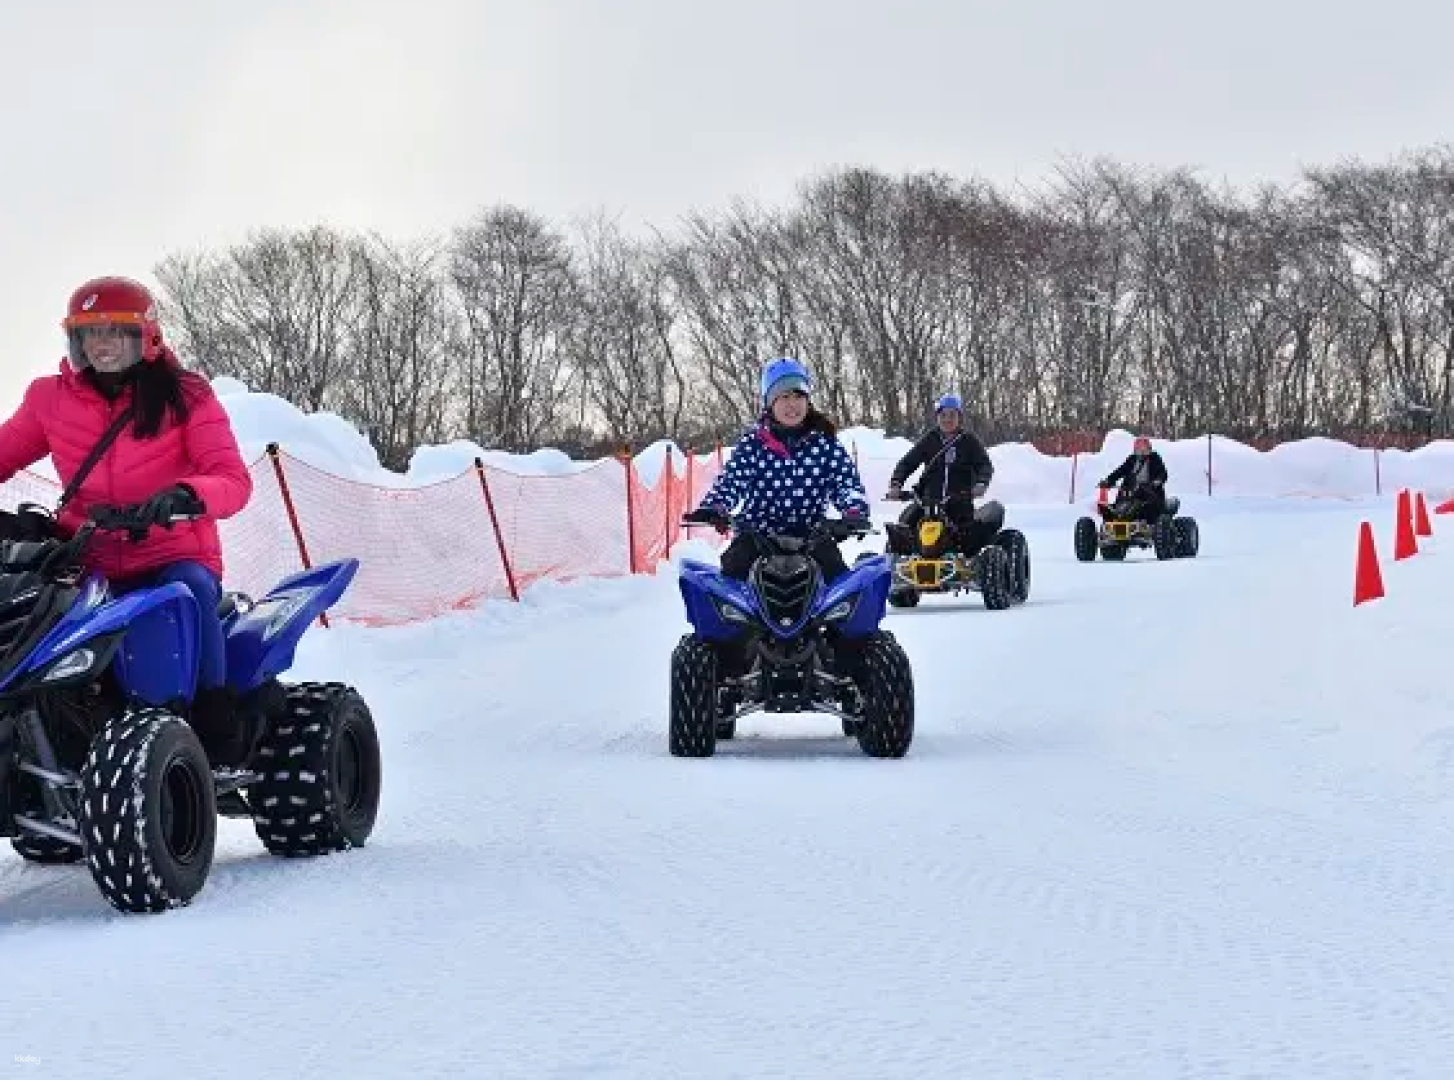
(157, 388)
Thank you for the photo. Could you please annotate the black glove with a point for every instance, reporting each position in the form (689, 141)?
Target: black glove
(177, 501)
(708, 515)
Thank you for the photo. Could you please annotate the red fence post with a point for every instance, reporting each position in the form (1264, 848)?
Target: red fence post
(292, 514)
(495, 524)
(668, 472)
(630, 467)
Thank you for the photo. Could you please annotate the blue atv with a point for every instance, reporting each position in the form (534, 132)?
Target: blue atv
(784, 641)
(97, 758)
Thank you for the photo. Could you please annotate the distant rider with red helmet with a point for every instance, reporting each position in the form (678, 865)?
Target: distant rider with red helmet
(177, 456)
(1143, 474)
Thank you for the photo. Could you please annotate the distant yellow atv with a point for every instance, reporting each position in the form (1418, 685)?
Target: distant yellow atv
(1125, 525)
(932, 559)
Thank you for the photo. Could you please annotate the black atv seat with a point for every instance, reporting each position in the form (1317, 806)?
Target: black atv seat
(991, 513)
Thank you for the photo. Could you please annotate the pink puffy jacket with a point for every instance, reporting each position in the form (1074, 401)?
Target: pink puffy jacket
(65, 416)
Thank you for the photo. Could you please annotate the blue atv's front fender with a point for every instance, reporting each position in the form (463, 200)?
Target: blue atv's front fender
(707, 595)
(157, 658)
(261, 642)
(869, 580)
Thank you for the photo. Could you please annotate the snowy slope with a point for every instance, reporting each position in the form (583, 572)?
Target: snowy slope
(1188, 819)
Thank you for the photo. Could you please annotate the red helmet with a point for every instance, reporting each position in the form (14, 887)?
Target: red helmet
(113, 301)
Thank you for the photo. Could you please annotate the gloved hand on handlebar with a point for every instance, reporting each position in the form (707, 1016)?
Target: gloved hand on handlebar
(176, 501)
(708, 515)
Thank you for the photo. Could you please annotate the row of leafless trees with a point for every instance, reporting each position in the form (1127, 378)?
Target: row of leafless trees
(1110, 297)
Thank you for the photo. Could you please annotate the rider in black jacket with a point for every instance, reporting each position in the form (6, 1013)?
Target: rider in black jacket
(1143, 473)
(956, 466)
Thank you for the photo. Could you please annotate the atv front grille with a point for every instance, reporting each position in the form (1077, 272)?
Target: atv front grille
(785, 585)
(927, 574)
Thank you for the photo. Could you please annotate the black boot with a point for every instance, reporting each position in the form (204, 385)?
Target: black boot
(225, 733)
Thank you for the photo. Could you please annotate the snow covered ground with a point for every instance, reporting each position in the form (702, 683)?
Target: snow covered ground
(1187, 819)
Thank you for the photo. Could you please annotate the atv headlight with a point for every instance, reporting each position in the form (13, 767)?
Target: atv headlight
(841, 611)
(730, 613)
(69, 666)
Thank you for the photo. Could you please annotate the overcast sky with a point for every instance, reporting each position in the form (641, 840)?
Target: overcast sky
(133, 130)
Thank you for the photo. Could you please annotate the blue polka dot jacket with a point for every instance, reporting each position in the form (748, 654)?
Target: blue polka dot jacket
(784, 482)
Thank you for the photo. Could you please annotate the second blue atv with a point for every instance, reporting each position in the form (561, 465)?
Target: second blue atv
(786, 641)
(97, 759)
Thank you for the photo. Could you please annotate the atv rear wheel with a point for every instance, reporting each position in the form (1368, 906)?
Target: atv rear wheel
(693, 724)
(1085, 539)
(1189, 539)
(887, 680)
(995, 575)
(1018, 549)
(322, 773)
(148, 812)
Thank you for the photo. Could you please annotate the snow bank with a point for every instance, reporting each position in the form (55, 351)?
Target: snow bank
(1314, 467)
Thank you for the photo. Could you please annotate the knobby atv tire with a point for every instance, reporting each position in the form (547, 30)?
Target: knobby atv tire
(886, 729)
(46, 850)
(692, 727)
(1018, 549)
(996, 578)
(148, 812)
(903, 596)
(1188, 535)
(1085, 539)
(1165, 539)
(322, 773)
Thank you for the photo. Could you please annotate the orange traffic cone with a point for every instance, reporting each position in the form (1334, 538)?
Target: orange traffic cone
(1404, 544)
(1367, 578)
(1422, 527)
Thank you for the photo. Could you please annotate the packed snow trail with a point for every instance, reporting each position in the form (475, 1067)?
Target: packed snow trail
(1183, 819)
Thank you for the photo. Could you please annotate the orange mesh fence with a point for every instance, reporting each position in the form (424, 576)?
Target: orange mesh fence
(426, 551)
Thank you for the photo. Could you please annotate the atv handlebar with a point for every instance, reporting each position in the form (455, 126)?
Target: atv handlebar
(835, 529)
(55, 554)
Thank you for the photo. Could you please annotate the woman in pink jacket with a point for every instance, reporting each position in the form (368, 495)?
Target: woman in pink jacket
(177, 456)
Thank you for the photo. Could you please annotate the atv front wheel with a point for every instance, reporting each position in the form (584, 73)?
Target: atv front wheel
(1085, 539)
(1189, 539)
(903, 596)
(693, 723)
(995, 574)
(1165, 539)
(1018, 549)
(887, 727)
(322, 773)
(148, 812)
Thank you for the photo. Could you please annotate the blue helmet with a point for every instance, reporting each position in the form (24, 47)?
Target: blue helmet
(949, 401)
(780, 376)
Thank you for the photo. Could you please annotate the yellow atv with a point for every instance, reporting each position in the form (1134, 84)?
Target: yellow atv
(930, 558)
(1124, 525)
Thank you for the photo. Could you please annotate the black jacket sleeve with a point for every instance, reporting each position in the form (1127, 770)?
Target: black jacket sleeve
(981, 467)
(1158, 468)
(1123, 471)
(916, 456)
